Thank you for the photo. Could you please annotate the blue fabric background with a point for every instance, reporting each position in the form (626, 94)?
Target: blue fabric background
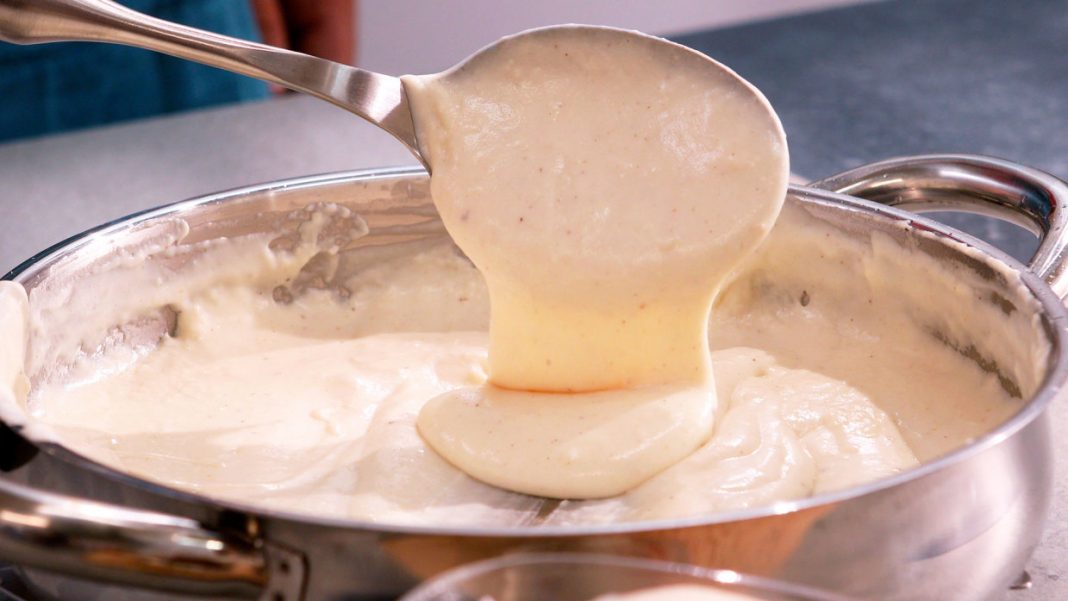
(49, 88)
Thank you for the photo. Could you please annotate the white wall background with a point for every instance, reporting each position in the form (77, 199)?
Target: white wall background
(425, 36)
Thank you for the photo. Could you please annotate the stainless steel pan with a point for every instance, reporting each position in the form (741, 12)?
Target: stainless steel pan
(960, 526)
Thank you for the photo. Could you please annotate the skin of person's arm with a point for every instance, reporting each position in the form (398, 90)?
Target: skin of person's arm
(323, 28)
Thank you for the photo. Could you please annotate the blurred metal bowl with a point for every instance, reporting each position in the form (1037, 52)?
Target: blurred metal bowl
(582, 577)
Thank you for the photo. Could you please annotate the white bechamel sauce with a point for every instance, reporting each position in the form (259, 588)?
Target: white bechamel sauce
(786, 431)
(605, 192)
(311, 407)
(679, 592)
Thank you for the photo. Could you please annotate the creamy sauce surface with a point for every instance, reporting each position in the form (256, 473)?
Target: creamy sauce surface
(312, 407)
(605, 191)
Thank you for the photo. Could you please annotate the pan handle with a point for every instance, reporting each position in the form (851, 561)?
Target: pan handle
(136, 548)
(1028, 197)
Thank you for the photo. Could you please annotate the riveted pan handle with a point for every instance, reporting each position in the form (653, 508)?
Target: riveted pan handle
(972, 184)
(141, 549)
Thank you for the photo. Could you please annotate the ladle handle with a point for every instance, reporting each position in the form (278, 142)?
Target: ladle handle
(972, 184)
(377, 98)
(133, 548)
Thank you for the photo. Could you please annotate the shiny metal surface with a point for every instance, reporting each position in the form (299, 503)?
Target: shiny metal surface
(377, 98)
(974, 184)
(118, 544)
(946, 529)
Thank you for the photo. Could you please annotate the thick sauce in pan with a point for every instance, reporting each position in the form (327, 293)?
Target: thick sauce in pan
(312, 407)
(310, 400)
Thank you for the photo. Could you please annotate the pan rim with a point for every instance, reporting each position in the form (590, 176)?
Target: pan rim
(1053, 312)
